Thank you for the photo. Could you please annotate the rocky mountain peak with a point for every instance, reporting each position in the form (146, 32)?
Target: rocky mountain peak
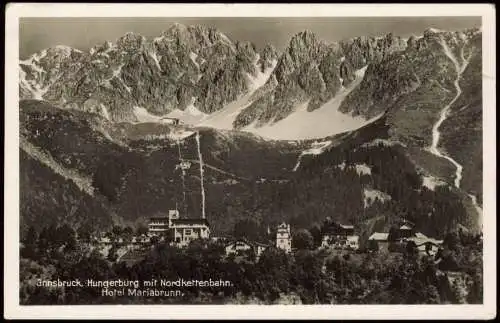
(54, 54)
(104, 47)
(177, 31)
(433, 31)
(193, 38)
(302, 48)
(246, 47)
(269, 51)
(178, 27)
(268, 56)
(61, 51)
(303, 42)
(306, 36)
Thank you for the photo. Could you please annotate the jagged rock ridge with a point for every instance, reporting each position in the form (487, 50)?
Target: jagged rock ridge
(186, 65)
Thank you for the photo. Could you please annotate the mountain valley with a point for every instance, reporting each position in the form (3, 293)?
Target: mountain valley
(367, 131)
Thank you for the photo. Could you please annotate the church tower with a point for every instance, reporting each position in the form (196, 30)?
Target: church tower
(284, 237)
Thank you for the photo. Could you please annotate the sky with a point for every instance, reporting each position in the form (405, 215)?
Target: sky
(83, 33)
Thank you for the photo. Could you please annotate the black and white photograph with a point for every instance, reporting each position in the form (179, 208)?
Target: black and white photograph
(251, 160)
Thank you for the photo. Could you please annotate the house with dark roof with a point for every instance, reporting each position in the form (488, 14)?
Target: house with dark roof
(403, 234)
(339, 236)
(238, 246)
(425, 245)
(244, 246)
(132, 257)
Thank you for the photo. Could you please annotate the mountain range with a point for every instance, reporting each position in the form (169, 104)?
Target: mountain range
(365, 130)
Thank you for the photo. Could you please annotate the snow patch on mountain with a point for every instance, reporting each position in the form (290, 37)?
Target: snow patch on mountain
(320, 123)
(224, 118)
(317, 148)
(66, 50)
(261, 78)
(105, 112)
(435, 30)
(190, 115)
(117, 74)
(227, 41)
(179, 134)
(193, 57)
(158, 39)
(35, 57)
(156, 59)
(363, 169)
(384, 142)
(118, 70)
(371, 195)
(143, 115)
(431, 182)
(34, 87)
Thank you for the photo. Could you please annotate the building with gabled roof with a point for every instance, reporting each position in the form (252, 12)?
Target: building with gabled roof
(187, 230)
(158, 225)
(241, 246)
(184, 230)
(132, 257)
(339, 236)
(169, 120)
(425, 244)
(379, 236)
(237, 246)
(381, 239)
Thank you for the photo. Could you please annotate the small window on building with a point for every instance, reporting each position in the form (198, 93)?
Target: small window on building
(188, 232)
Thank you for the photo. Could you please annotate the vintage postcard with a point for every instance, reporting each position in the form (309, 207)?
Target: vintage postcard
(249, 160)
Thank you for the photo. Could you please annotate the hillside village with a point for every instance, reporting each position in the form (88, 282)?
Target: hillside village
(401, 265)
(335, 237)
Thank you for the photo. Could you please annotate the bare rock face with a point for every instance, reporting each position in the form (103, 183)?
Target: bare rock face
(39, 72)
(266, 58)
(408, 80)
(182, 66)
(311, 71)
(415, 83)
